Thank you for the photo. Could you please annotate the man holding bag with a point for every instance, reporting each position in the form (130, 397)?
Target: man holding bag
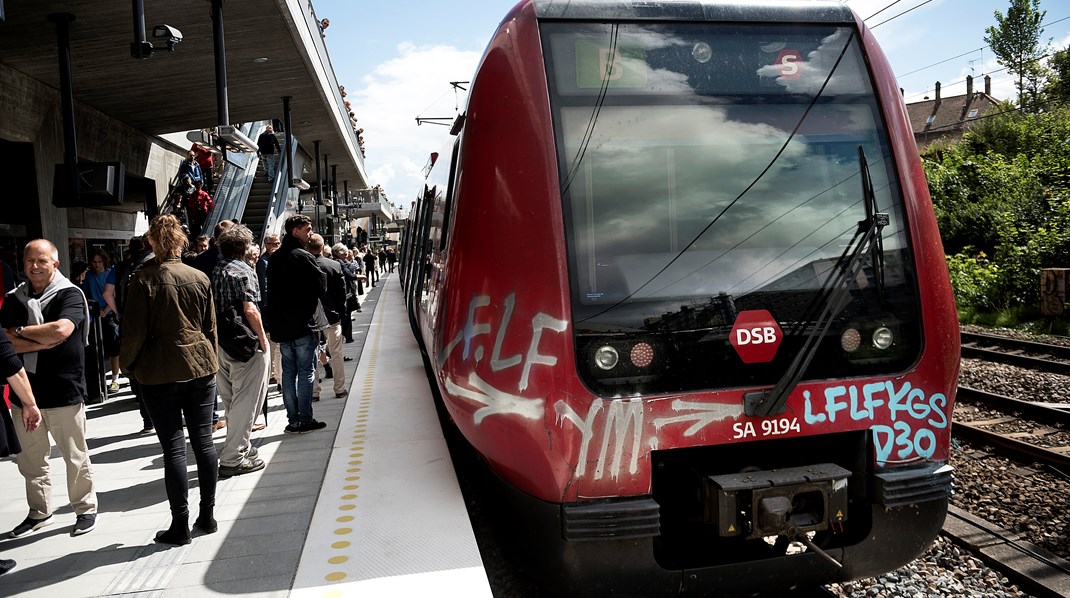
(243, 357)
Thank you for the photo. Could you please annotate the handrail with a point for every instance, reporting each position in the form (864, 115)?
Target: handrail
(279, 192)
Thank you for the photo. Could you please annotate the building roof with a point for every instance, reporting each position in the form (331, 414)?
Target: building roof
(949, 117)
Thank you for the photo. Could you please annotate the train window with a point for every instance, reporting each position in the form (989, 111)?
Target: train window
(708, 169)
(450, 188)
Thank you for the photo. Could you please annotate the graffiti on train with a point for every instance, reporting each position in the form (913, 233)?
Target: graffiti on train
(914, 414)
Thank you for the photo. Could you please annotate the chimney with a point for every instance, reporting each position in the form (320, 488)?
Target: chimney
(937, 91)
(988, 85)
(969, 87)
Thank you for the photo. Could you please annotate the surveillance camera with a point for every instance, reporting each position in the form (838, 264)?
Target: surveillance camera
(171, 34)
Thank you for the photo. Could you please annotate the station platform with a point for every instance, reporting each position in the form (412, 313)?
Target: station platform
(369, 506)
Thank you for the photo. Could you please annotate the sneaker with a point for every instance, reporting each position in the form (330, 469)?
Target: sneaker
(84, 524)
(292, 430)
(29, 526)
(147, 430)
(312, 426)
(6, 565)
(219, 425)
(315, 399)
(341, 395)
(246, 466)
(114, 386)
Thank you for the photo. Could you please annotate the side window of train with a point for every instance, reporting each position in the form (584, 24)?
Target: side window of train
(451, 186)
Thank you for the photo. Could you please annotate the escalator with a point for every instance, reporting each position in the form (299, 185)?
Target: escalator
(256, 206)
(245, 194)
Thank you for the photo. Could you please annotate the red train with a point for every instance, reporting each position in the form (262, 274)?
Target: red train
(683, 290)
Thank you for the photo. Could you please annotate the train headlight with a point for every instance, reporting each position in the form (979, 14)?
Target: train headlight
(883, 338)
(606, 357)
(702, 52)
(642, 355)
(850, 340)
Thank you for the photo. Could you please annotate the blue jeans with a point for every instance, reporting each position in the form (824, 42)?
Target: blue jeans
(298, 369)
(269, 165)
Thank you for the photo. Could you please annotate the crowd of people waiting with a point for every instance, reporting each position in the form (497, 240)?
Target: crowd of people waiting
(193, 323)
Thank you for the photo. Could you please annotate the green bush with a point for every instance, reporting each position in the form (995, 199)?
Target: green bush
(1001, 201)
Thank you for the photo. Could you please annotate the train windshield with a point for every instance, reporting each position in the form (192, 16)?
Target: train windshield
(713, 169)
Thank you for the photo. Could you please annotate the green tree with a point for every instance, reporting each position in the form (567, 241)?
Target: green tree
(1016, 41)
(1058, 89)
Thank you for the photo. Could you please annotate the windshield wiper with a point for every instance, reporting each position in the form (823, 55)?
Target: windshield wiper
(879, 219)
(834, 296)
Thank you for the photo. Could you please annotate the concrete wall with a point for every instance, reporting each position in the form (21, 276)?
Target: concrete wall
(32, 114)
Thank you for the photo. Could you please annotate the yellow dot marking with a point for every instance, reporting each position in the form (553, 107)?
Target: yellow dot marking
(347, 507)
(344, 519)
(343, 531)
(350, 487)
(337, 560)
(336, 576)
(348, 496)
(352, 478)
(340, 545)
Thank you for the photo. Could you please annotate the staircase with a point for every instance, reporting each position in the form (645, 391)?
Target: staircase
(256, 207)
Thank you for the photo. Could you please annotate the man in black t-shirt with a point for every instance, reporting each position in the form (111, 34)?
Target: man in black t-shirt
(46, 320)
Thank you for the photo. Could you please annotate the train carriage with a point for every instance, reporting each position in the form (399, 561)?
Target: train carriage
(681, 286)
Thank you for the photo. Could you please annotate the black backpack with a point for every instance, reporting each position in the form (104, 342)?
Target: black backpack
(235, 336)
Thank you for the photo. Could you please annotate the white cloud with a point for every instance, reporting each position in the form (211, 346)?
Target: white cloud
(414, 83)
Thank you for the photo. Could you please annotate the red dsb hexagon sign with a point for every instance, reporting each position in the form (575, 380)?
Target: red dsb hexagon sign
(756, 336)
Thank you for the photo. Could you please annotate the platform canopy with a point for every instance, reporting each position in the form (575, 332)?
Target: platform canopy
(273, 49)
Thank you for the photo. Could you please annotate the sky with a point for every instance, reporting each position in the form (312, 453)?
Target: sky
(396, 59)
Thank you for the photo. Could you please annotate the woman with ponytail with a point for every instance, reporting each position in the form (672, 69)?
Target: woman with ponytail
(169, 346)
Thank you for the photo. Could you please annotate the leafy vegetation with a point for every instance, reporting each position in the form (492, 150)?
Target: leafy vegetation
(1002, 194)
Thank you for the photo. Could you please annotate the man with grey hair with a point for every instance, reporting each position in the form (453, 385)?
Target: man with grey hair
(242, 378)
(334, 304)
(350, 271)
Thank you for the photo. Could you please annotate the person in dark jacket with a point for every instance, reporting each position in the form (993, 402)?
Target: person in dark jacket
(169, 346)
(334, 307)
(267, 147)
(296, 285)
(11, 368)
(369, 265)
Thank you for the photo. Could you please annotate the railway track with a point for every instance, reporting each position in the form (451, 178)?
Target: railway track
(1016, 444)
(1024, 431)
(1027, 354)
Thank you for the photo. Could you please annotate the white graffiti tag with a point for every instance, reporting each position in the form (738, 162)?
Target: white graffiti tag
(496, 401)
(704, 415)
(620, 417)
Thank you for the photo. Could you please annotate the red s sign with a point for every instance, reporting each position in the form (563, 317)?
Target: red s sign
(789, 63)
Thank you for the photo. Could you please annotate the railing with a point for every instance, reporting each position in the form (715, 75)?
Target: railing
(280, 193)
(312, 22)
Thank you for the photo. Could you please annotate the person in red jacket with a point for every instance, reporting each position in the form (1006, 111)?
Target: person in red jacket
(198, 205)
(206, 161)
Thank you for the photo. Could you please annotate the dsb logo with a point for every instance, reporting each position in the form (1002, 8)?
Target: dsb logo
(756, 336)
